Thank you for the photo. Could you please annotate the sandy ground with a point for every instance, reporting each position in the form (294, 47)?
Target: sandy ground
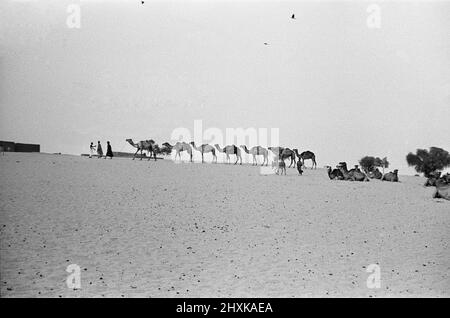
(161, 229)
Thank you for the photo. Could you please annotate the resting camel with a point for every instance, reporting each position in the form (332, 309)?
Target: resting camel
(353, 174)
(433, 177)
(180, 147)
(143, 145)
(391, 176)
(231, 150)
(305, 155)
(335, 174)
(443, 188)
(257, 151)
(205, 148)
(282, 153)
(375, 174)
(446, 177)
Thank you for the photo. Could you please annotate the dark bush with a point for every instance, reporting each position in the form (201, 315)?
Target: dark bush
(427, 162)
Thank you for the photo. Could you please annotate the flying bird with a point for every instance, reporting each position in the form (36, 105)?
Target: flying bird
(293, 16)
(265, 43)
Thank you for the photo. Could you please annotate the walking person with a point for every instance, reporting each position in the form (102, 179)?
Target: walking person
(299, 167)
(109, 152)
(92, 149)
(99, 150)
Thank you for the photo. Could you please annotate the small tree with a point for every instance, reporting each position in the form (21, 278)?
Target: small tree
(378, 162)
(426, 162)
(367, 163)
(384, 163)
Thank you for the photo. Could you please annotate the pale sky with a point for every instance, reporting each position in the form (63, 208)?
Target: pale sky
(330, 83)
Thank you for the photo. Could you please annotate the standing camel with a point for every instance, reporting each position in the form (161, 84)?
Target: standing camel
(205, 148)
(305, 155)
(282, 153)
(276, 151)
(231, 150)
(288, 153)
(143, 145)
(257, 151)
(180, 147)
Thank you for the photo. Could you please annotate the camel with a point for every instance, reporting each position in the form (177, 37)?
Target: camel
(433, 177)
(205, 148)
(391, 176)
(288, 153)
(335, 174)
(276, 151)
(143, 145)
(257, 151)
(282, 153)
(305, 155)
(443, 188)
(446, 177)
(231, 150)
(375, 174)
(281, 167)
(353, 174)
(180, 147)
(164, 150)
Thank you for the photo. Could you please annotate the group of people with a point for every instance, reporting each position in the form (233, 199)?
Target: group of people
(99, 150)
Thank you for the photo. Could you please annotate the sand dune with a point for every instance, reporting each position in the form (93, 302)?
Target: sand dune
(146, 229)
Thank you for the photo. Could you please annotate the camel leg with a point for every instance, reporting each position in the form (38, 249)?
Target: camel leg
(135, 154)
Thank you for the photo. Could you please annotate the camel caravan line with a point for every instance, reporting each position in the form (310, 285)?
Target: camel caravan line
(297, 160)
(281, 153)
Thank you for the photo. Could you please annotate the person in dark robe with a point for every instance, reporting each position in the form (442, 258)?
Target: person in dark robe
(99, 150)
(109, 152)
(299, 167)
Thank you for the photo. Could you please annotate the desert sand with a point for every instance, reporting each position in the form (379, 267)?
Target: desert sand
(146, 229)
